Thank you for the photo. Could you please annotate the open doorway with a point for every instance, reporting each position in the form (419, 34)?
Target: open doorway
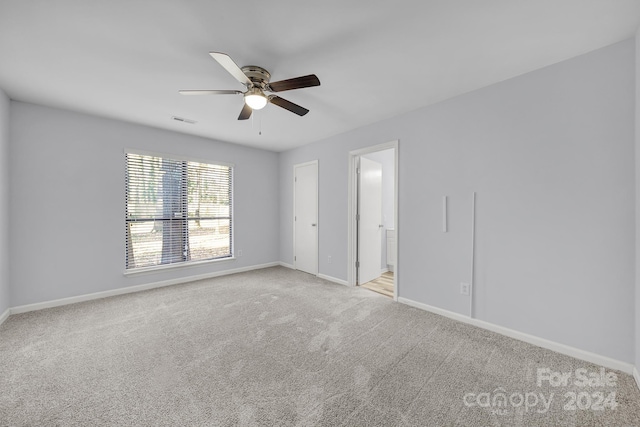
(373, 260)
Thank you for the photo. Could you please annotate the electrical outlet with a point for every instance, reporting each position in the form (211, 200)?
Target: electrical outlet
(239, 252)
(464, 288)
(329, 259)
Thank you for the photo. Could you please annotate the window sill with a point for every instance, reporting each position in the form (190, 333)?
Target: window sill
(176, 266)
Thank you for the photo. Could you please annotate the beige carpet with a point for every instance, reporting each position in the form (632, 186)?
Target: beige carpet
(279, 347)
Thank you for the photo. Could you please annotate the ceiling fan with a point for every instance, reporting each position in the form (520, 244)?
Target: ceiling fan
(256, 79)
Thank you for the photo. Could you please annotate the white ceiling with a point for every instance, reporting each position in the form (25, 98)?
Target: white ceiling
(376, 59)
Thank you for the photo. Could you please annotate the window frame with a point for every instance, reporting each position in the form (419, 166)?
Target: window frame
(183, 264)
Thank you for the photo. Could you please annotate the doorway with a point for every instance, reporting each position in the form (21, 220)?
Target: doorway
(373, 219)
(305, 217)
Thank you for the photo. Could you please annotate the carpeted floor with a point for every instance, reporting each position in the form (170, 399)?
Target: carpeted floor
(279, 347)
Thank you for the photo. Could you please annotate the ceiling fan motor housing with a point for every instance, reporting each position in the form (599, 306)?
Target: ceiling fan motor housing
(258, 75)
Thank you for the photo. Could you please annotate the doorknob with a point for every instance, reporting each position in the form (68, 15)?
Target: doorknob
(313, 225)
(380, 226)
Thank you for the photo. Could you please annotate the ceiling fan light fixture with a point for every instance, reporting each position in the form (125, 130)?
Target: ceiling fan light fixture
(255, 99)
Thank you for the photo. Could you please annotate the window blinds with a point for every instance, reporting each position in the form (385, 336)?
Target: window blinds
(176, 211)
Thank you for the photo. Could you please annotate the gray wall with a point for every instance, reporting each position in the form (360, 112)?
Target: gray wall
(386, 159)
(551, 157)
(4, 203)
(67, 201)
(637, 117)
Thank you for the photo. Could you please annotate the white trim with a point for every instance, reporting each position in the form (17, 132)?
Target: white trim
(636, 376)
(131, 289)
(473, 254)
(351, 211)
(174, 266)
(4, 316)
(286, 265)
(531, 339)
(319, 275)
(333, 279)
(444, 214)
(396, 192)
(352, 194)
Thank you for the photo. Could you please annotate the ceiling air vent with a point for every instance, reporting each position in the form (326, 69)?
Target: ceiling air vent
(182, 119)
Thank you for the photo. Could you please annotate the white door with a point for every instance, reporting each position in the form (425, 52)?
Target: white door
(370, 224)
(305, 217)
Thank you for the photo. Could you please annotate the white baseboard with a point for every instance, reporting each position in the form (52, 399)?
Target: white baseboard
(636, 376)
(531, 339)
(333, 279)
(137, 288)
(319, 275)
(5, 315)
(284, 264)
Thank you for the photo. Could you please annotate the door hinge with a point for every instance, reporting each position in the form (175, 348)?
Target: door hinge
(295, 258)
(357, 217)
(357, 170)
(295, 218)
(295, 179)
(357, 264)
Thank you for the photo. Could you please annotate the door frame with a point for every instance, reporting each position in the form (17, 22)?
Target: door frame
(352, 228)
(311, 162)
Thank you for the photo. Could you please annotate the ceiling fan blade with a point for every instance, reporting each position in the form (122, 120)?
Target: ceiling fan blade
(295, 83)
(209, 92)
(288, 105)
(245, 113)
(233, 69)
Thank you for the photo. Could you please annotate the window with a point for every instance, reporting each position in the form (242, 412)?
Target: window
(177, 211)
